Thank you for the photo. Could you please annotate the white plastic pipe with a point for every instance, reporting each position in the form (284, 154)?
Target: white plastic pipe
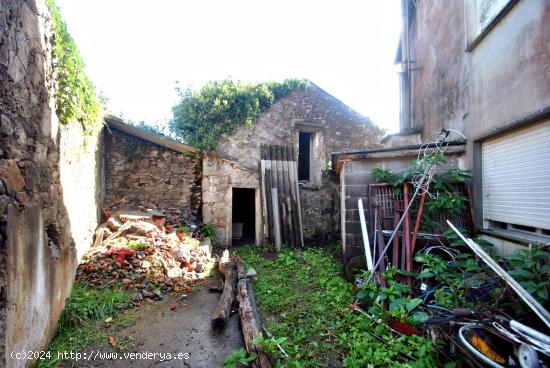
(366, 243)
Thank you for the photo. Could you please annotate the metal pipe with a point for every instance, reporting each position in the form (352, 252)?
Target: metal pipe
(405, 69)
(383, 254)
(375, 234)
(540, 311)
(366, 243)
(526, 330)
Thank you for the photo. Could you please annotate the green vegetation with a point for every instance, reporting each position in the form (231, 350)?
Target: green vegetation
(200, 118)
(238, 357)
(401, 306)
(156, 129)
(82, 319)
(460, 281)
(76, 98)
(209, 232)
(307, 306)
(134, 244)
(444, 185)
(127, 320)
(529, 268)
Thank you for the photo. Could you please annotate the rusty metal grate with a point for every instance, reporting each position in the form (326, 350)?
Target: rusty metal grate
(384, 196)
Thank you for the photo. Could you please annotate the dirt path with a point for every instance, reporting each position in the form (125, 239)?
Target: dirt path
(158, 329)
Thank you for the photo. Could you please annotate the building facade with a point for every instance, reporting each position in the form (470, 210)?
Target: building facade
(315, 124)
(480, 69)
(223, 188)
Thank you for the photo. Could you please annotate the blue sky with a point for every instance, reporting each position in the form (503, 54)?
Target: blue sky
(136, 50)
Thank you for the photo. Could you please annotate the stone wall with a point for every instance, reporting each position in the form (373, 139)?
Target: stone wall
(336, 128)
(157, 175)
(80, 175)
(219, 176)
(48, 185)
(321, 210)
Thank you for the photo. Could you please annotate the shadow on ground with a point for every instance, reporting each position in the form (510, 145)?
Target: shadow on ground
(158, 329)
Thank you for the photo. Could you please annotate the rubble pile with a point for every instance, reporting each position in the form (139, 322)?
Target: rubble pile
(150, 250)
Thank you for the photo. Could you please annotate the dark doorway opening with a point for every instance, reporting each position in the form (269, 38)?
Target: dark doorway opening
(244, 216)
(304, 153)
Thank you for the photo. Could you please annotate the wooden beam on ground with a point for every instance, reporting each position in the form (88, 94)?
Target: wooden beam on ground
(223, 308)
(249, 323)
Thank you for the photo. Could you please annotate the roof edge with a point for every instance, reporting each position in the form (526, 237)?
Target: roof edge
(338, 158)
(119, 125)
(401, 133)
(343, 104)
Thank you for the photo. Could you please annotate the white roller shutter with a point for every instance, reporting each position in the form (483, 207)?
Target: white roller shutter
(516, 177)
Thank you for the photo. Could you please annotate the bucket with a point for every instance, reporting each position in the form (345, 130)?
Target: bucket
(237, 230)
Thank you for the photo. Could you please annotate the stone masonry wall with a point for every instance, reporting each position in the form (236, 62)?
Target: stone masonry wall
(321, 210)
(338, 128)
(154, 174)
(219, 177)
(48, 185)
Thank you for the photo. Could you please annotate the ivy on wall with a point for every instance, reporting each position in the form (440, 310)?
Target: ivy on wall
(76, 99)
(201, 117)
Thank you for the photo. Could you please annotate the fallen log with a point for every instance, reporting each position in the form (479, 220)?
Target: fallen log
(223, 308)
(250, 324)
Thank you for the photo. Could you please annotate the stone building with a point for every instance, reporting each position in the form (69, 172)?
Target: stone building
(54, 175)
(158, 171)
(316, 124)
(223, 187)
(479, 68)
(165, 173)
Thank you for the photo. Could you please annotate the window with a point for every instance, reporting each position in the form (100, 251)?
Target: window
(481, 16)
(516, 180)
(304, 156)
(309, 140)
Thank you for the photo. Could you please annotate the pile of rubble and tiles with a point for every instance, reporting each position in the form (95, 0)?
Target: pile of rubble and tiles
(149, 250)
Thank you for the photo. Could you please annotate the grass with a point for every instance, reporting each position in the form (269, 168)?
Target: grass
(82, 319)
(135, 245)
(127, 320)
(304, 300)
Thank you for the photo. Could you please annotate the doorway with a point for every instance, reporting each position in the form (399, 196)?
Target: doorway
(244, 216)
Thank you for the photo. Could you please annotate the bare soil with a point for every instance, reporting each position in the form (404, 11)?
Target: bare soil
(186, 330)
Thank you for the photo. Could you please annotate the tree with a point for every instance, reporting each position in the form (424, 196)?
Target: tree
(156, 128)
(201, 117)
